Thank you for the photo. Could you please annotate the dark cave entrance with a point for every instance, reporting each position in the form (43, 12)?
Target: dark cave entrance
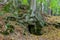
(32, 30)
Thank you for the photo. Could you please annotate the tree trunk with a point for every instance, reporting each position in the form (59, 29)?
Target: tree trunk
(49, 10)
(42, 7)
(33, 6)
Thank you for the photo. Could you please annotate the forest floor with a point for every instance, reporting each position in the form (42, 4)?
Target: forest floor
(50, 32)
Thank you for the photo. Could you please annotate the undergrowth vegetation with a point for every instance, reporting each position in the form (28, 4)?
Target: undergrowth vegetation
(21, 13)
(28, 17)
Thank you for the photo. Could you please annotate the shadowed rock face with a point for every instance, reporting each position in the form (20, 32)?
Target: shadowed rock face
(33, 30)
(30, 27)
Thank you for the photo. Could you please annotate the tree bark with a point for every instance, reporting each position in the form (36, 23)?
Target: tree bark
(33, 6)
(49, 10)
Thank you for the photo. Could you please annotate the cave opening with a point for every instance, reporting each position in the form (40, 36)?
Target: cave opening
(32, 30)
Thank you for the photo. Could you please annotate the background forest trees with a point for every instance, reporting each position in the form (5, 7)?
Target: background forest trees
(51, 7)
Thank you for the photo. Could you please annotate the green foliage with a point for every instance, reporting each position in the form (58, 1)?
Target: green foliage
(25, 2)
(55, 6)
(7, 7)
(10, 6)
(53, 3)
